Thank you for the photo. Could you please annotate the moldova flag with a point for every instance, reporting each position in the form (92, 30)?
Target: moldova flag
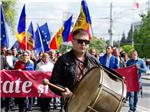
(83, 21)
(30, 39)
(3, 33)
(21, 35)
(62, 35)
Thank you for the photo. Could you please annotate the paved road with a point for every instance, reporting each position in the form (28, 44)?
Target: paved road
(144, 100)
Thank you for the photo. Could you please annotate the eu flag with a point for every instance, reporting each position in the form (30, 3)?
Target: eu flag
(45, 31)
(4, 34)
(30, 39)
(45, 36)
(38, 44)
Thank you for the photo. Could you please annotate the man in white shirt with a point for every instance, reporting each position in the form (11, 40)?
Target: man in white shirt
(45, 65)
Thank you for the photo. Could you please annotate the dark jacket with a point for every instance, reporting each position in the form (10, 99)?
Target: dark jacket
(64, 72)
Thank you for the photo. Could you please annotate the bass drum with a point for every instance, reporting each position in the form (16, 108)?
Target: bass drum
(100, 90)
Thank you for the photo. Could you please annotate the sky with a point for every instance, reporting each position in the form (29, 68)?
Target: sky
(54, 12)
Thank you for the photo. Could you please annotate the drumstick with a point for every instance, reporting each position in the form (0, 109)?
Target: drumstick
(46, 82)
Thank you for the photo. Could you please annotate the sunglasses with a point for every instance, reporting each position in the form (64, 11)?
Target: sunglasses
(80, 41)
(108, 48)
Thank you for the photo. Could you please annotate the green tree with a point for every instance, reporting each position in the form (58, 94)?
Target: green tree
(64, 48)
(98, 44)
(9, 12)
(116, 43)
(142, 38)
(130, 36)
(123, 40)
(126, 40)
(127, 48)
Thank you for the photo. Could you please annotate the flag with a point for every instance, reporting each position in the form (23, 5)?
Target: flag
(4, 34)
(45, 31)
(38, 44)
(62, 35)
(30, 39)
(21, 37)
(83, 21)
(16, 45)
(45, 36)
(131, 77)
(67, 27)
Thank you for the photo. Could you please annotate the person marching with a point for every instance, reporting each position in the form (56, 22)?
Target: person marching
(70, 68)
(141, 66)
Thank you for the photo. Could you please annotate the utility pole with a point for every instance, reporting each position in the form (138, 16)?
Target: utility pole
(110, 29)
(132, 34)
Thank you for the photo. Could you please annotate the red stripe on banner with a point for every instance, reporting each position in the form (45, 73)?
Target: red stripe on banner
(24, 84)
(131, 77)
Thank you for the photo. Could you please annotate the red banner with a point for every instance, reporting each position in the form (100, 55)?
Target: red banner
(131, 77)
(24, 84)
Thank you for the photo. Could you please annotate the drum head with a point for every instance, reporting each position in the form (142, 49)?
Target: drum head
(86, 92)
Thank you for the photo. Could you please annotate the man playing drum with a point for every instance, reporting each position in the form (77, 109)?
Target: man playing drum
(71, 67)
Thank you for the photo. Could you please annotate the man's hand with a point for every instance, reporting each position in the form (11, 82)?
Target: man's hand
(137, 66)
(67, 93)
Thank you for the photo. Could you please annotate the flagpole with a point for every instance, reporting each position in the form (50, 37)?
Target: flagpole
(26, 39)
(26, 33)
(136, 6)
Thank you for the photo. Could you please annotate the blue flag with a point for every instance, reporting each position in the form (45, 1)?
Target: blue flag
(45, 36)
(16, 45)
(38, 44)
(44, 30)
(3, 32)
